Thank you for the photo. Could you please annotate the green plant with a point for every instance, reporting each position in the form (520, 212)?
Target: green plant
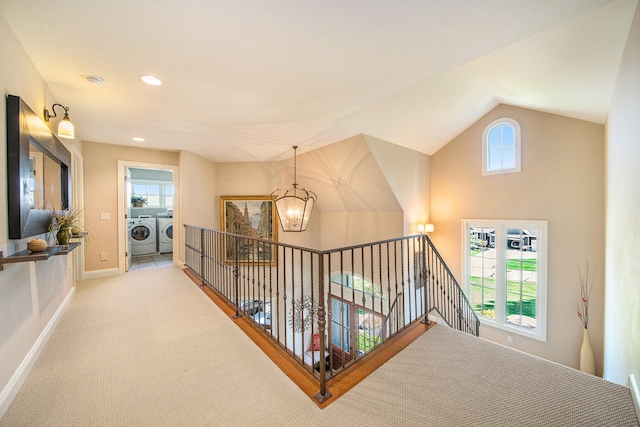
(138, 200)
(367, 342)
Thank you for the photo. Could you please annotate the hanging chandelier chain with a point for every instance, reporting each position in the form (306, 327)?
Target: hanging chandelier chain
(294, 209)
(295, 174)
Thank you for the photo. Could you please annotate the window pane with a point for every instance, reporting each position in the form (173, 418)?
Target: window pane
(495, 137)
(369, 330)
(340, 324)
(508, 157)
(482, 270)
(153, 200)
(139, 189)
(168, 190)
(507, 135)
(522, 278)
(153, 189)
(495, 161)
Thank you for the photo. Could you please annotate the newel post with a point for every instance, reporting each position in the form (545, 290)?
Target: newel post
(426, 277)
(323, 394)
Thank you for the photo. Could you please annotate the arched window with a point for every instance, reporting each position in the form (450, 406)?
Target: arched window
(501, 147)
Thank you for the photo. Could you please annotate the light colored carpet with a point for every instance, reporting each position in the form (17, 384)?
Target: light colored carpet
(150, 349)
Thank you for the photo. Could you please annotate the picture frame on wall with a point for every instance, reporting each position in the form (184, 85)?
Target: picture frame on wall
(255, 218)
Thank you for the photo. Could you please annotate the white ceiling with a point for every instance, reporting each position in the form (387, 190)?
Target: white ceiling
(244, 80)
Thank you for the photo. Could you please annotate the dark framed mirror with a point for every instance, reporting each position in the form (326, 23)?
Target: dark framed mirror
(37, 171)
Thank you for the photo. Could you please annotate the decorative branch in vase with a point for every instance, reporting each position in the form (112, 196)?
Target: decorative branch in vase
(587, 361)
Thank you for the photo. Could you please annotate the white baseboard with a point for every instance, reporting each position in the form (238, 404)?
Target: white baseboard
(20, 375)
(97, 274)
(634, 386)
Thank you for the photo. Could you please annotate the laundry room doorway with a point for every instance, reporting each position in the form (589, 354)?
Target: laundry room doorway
(147, 209)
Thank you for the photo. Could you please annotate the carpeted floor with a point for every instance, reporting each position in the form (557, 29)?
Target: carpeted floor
(150, 349)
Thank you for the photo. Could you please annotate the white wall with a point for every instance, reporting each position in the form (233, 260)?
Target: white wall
(622, 321)
(32, 295)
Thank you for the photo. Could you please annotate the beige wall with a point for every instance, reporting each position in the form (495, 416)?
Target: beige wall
(409, 175)
(351, 185)
(30, 293)
(341, 229)
(197, 195)
(198, 178)
(261, 179)
(562, 181)
(101, 196)
(356, 203)
(622, 320)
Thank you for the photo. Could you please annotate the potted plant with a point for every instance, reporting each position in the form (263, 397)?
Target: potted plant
(138, 201)
(64, 223)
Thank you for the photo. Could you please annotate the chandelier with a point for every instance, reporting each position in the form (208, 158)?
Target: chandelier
(294, 205)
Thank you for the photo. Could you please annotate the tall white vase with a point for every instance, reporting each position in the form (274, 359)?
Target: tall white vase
(587, 361)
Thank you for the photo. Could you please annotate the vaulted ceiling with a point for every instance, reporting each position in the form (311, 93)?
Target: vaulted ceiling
(244, 80)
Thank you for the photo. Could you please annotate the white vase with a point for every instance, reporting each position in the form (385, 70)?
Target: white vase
(587, 361)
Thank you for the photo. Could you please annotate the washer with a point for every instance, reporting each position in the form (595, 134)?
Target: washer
(142, 235)
(165, 235)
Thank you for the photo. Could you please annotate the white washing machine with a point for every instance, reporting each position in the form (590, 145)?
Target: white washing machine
(165, 235)
(142, 235)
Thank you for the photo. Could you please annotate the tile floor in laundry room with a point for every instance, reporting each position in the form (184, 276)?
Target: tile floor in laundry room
(144, 262)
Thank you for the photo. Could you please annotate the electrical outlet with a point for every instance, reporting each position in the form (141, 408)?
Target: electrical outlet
(509, 337)
(103, 256)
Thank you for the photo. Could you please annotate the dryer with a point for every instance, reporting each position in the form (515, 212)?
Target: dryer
(165, 235)
(142, 235)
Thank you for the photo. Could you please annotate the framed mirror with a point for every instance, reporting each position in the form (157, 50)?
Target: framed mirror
(37, 171)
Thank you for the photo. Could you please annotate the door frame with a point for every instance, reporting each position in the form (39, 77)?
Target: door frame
(77, 199)
(123, 231)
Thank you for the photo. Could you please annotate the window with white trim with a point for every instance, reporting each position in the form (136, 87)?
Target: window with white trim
(505, 274)
(159, 194)
(501, 147)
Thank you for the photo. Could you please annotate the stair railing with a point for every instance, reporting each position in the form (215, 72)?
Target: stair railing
(395, 314)
(328, 309)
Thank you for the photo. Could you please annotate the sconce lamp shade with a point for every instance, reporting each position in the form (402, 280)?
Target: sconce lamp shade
(424, 228)
(294, 205)
(65, 128)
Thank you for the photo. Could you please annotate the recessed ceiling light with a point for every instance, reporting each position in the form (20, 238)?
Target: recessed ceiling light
(95, 80)
(151, 80)
(138, 139)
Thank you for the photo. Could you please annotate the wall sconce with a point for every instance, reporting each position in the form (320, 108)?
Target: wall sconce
(425, 228)
(65, 127)
(294, 205)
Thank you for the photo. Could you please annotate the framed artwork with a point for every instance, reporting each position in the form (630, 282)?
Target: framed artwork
(253, 217)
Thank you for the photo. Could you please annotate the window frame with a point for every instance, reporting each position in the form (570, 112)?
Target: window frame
(501, 227)
(517, 147)
(162, 195)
